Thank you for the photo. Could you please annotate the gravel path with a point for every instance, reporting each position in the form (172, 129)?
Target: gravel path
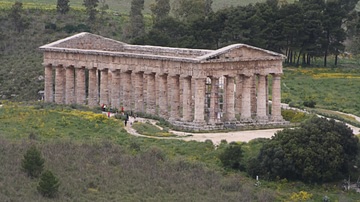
(242, 136)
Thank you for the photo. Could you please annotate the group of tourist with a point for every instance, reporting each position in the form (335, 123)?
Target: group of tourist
(105, 108)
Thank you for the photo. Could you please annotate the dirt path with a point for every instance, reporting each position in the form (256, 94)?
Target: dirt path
(242, 136)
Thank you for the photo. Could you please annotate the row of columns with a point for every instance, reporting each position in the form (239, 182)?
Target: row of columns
(177, 97)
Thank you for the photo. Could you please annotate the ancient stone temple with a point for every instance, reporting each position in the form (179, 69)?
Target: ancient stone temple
(193, 88)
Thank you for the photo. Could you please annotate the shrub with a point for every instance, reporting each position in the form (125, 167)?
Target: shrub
(232, 156)
(48, 184)
(33, 163)
(309, 103)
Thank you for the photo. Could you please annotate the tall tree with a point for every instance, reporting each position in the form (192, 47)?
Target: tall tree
(137, 18)
(90, 6)
(160, 9)
(16, 17)
(189, 10)
(63, 6)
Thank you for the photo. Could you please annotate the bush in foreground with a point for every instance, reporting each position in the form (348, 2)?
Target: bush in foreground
(231, 156)
(33, 163)
(48, 184)
(320, 150)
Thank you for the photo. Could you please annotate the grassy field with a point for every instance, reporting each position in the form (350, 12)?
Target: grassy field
(96, 160)
(123, 6)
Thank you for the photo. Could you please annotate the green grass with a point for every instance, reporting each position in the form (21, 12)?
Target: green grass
(149, 129)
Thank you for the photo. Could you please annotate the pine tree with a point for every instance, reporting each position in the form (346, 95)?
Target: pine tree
(48, 184)
(63, 6)
(90, 6)
(33, 163)
(137, 18)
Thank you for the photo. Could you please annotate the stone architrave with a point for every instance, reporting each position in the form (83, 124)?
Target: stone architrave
(230, 99)
(48, 92)
(59, 84)
(70, 85)
(199, 100)
(80, 89)
(214, 100)
(175, 97)
(246, 99)
(187, 117)
(104, 87)
(276, 99)
(163, 95)
(261, 115)
(150, 93)
(115, 88)
(139, 91)
(93, 92)
(127, 90)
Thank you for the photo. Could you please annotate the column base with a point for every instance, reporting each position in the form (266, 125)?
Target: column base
(262, 119)
(277, 119)
(246, 119)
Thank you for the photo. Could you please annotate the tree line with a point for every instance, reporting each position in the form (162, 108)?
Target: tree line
(303, 30)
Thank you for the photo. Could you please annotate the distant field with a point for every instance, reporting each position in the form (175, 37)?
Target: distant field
(124, 5)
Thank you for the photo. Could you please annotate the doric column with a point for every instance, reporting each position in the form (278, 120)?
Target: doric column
(267, 95)
(70, 85)
(246, 99)
(163, 95)
(59, 85)
(276, 98)
(175, 97)
(187, 116)
(80, 89)
(48, 91)
(139, 91)
(214, 100)
(126, 83)
(150, 93)
(238, 94)
(115, 88)
(261, 99)
(253, 95)
(199, 100)
(93, 92)
(230, 99)
(104, 87)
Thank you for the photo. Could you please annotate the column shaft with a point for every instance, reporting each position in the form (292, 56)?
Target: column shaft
(93, 92)
(150, 94)
(230, 99)
(214, 100)
(175, 97)
(59, 85)
(80, 90)
(246, 99)
(48, 91)
(261, 99)
(70, 85)
(115, 88)
(253, 95)
(104, 88)
(238, 94)
(139, 91)
(276, 99)
(163, 96)
(186, 99)
(127, 88)
(199, 100)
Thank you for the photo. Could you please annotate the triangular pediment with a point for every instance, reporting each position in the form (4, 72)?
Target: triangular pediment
(87, 41)
(241, 52)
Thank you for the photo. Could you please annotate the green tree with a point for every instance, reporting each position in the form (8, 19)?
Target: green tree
(232, 155)
(160, 9)
(320, 150)
(33, 163)
(62, 6)
(190, 10)
(90, 6)
(137, 19)
(17, 18)
(48, 185)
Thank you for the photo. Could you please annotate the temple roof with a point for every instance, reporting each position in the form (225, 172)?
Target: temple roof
(88, 43)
